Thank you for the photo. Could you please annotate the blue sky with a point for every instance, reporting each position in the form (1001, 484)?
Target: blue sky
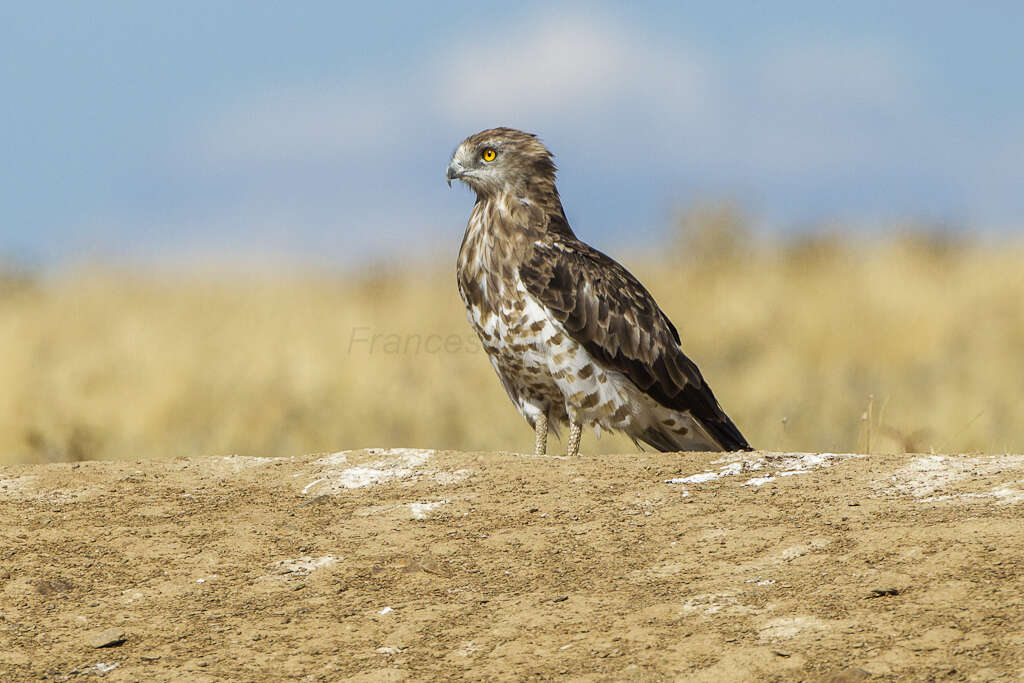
(320, 132)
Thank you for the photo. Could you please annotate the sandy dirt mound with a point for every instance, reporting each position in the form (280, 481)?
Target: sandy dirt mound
(402, 564)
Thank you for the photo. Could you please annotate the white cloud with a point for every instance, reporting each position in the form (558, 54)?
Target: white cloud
(570, 66)
(555, 66)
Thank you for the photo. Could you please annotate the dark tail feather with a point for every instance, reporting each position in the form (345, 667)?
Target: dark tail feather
(725, 435)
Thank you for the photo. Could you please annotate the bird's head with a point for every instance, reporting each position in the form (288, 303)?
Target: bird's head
(502, 160)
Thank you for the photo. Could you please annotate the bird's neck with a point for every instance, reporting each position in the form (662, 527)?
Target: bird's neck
(532, 211)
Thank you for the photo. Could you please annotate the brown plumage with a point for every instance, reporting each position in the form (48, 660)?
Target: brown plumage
(573, 336)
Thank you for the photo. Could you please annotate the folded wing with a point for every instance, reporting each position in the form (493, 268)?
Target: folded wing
(608, 312)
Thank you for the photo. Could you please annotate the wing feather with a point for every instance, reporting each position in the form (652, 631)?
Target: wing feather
(607, 311)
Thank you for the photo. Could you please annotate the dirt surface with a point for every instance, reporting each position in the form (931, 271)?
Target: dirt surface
(390, 565)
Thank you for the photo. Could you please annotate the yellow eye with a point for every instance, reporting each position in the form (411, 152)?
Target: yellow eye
(489, 154)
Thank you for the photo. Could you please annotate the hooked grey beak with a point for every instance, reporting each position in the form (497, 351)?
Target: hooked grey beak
(455, 171)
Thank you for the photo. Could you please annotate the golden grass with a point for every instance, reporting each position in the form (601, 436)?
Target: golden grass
(797, 342)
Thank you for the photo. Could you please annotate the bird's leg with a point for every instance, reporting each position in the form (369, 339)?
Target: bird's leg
(541, 429)
(575, 432)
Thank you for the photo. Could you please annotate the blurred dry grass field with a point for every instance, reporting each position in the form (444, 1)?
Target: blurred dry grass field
(901, 344)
